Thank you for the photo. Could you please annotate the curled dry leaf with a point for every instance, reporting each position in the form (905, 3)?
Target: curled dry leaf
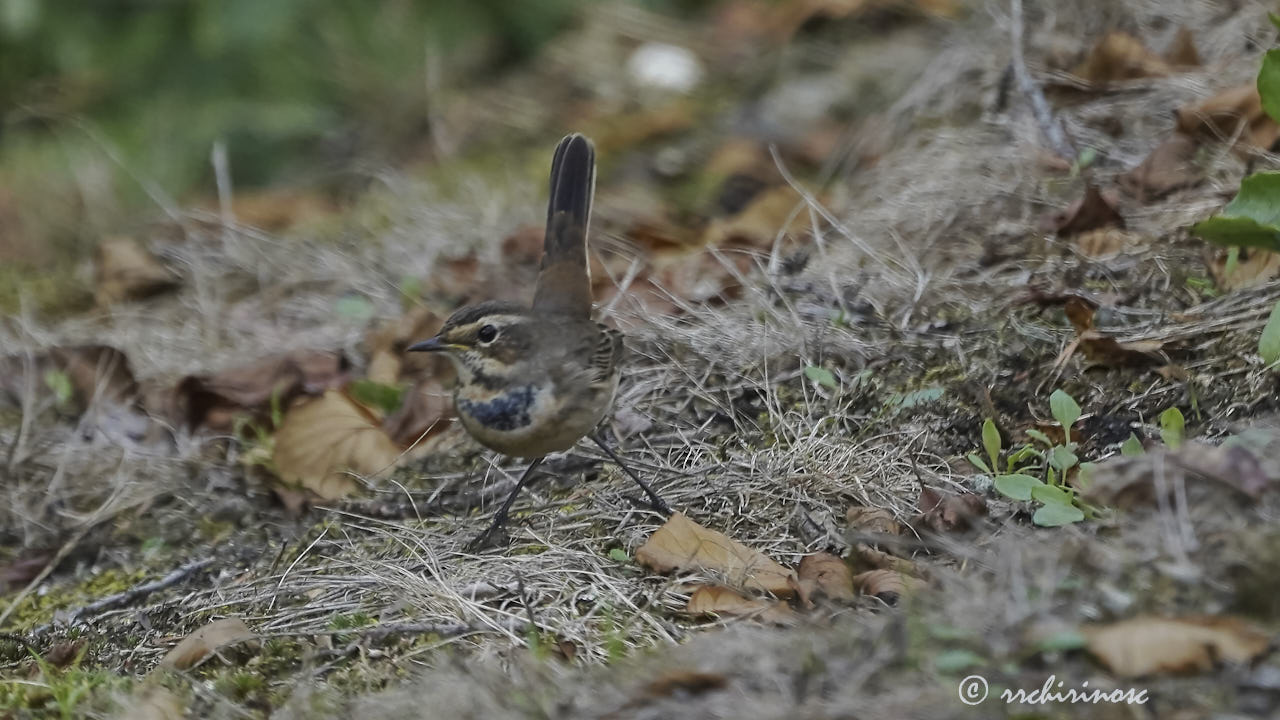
(681, 545)
(215, 400)
(323, 441)
(718, 601)
(89, 373)
(1251, 267)
(1148, 645)
(1169, 167)
(872, 520)
(426, 412)
(1092, 211)
(1107, 242)
(684, 682)
(1120, 56)
(770, 213)
(1127, 482)
(195, 647)
(886, 585)
(388, 361)
(828, 574)
(1103, 349)
(1231, 114)
(945, 512)
(125, 271)
(1182, 51)
(865, 556)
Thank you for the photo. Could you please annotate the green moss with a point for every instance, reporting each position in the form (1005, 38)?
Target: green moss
(39, 608)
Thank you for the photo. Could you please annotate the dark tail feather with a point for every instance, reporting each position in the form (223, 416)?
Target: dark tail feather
(563, 284)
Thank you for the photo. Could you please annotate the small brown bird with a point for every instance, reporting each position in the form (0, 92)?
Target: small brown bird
(535, 380)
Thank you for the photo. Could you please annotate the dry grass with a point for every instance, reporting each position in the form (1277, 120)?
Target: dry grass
(736, 438)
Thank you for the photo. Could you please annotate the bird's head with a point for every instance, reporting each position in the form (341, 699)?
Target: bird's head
(485, 341)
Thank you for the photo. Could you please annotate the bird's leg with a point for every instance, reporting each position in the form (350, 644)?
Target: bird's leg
(496, 528)
(655, 502)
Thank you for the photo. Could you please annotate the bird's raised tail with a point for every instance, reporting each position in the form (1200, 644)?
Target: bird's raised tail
(564, 286)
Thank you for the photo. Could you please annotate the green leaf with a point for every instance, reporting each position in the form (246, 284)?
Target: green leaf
(1057, 515)
(1269, 83)
(821, 375)
(1132, 447)
(1172, 427)
(1017, 486)
(918, 397)
(1039, 437)
(386, 398)
(60, 383)
(1065, 410)
(1061, 641)
(1269, 343)
(991, 441)
(1017, 457)
(1049, 494)
(1062, 458)
(1252, 219)
(978, 462)
(619, 555)
(354, 307)
(953, 661)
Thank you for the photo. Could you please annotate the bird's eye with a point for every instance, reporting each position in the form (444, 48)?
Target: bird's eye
(487, 334)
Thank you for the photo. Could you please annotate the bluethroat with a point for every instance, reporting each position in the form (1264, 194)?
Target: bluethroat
(535, 380)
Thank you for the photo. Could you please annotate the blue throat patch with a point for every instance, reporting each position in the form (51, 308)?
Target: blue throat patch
(509, 411)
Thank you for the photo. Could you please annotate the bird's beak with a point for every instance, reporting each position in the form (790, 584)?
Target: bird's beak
(434, 344)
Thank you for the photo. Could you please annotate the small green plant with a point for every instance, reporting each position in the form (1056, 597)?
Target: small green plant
(1269, 343)
(1059, 503)
(60, 384)
(1172, 428)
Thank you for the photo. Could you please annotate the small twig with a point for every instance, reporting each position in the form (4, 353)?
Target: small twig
(128, 596)
(1049, 125)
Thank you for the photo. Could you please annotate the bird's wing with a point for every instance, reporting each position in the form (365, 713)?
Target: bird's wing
(606, 354)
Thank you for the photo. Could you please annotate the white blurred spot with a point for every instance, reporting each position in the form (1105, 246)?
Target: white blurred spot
(665, 67)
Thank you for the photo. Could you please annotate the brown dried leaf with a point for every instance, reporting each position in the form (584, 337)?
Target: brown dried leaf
(426, 412)
(870, 558)
(685, 682)
(1232, 111)
(1126, 482)
(322, 441)
(195, 647)
(22, 569)
(887, 585)
(1182, 52)
(1120, 56)
(872, 520)
(1252, 267)
(778, 210)
(125, 271)
(1092, 211)
(1103, 349)
(215, 400)
(1168, 168)
(277, 209)
(1109, 241)
(97, 373)
(682, 544)
(1148, 645)
(388, 362)
(715, 600)
(829, 575)
(944, 512)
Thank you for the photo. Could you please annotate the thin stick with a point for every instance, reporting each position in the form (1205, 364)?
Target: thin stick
(1049, 125)
(128, 596)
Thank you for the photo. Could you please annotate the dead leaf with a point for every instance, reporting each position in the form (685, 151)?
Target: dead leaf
(1182, 52)
(1126, 482)
(1120, 56)
(388, 362)
(715, 601)
(944, 512)
(94, 374)
(1092, 211)
(867, 557)
(1149, 645)
(64, 653)
(1108, 242)
(682, 681)
(770, 213)
(1251, 267)
(1234, 111)
(277, 209)
(829, 574)
(426, 412)
(323, 441)
(872, 520)
(215, 400)
(683, 545)
(1167, 168)
(125, 271)
(195, 647)
(22, 569)
(1102, 349)
(886, 585)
